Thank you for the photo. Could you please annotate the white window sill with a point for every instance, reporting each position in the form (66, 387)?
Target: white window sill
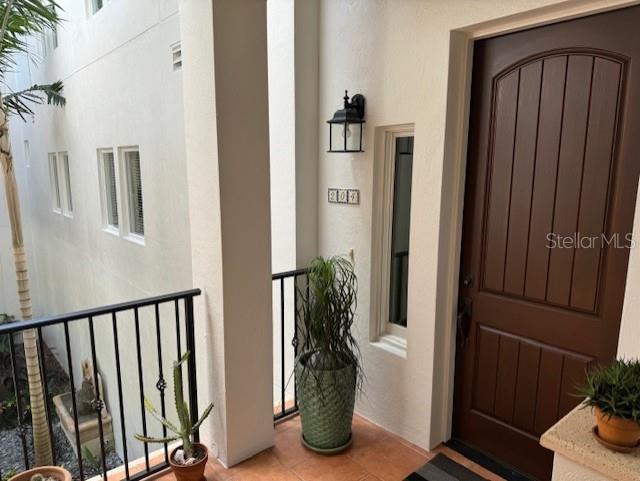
(57, 211)
(395, 345)
(110, 229)
(135, 238)
(68, 215)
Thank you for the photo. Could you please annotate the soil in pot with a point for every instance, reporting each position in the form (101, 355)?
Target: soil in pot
(43, 473)
(617, 431)
(191, 472)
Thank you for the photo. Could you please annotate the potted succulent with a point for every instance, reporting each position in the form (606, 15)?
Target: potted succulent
(328, 369)
(43, 473)
(188, 460)
(614, 393)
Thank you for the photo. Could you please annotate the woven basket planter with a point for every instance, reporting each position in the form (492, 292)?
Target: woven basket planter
(326, 400)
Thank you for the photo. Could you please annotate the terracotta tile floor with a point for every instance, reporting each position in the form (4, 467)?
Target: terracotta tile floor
(376, 455)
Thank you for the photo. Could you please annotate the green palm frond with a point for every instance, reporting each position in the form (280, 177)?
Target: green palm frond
(327, 315)
(21, 103)
(20, 19)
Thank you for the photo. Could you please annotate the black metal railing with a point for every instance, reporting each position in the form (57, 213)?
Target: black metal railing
(116, 323)
(288, 286)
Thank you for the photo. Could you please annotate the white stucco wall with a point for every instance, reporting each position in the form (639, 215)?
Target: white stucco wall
(282, 142)
(282, 147)
(121, 90)
(629, 343)
(292, 41)
(396, 53)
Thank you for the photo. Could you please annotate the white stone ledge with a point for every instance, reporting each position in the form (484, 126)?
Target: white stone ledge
(571, 438)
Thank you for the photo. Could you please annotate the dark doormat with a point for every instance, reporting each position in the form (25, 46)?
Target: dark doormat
(441, 468)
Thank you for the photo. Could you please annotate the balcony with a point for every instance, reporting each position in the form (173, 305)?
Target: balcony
(98, 366)
(376, 455)
(129, 347)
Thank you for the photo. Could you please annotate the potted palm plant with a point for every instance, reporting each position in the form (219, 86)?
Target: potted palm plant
(189, 459)
(614, 393)
(329, 368)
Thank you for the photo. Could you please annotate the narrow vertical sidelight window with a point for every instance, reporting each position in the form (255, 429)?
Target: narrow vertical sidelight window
(109, 189)
(95, 6)
(399, 268)
(134, 191)
(66, 173)
(176, 56)
(55, 183)
(393, 171)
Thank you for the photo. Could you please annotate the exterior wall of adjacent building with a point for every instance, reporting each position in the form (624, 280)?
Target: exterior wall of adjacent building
(282, 145)
(292, 31)
(121, 90)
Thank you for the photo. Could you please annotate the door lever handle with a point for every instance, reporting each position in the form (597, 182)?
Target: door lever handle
(464, 320)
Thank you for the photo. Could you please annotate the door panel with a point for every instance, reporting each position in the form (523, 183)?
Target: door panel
(551, 152)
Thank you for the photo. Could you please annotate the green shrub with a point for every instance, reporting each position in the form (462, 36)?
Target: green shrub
(615, 389)
(8, 474)
(328, 313)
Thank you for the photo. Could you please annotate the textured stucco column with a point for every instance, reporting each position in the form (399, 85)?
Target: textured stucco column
(227, 143)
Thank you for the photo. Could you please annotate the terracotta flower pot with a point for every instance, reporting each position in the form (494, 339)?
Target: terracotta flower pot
(193, 472)
(46, 471)
(618, 431)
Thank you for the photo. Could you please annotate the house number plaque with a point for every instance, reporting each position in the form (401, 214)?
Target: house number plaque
(343, 196)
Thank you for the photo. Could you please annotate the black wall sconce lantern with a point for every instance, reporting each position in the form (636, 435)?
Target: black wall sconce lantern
(348, 123)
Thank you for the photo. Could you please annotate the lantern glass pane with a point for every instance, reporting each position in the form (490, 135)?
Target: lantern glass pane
(352, 132)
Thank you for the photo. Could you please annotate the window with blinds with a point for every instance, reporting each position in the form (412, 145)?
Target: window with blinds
(55, 182)
(176, 56)
(52, 33)
(95, 6)
(68, 207)
(110, 193)
(134, 191)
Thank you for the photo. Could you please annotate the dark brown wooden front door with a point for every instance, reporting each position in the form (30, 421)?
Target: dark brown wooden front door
(552, 173)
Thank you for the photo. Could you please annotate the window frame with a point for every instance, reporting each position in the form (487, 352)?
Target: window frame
(26, 146)
(64, 174)
(384, 334)
(92, 10)
(52, 33)
(54, 183)
(127, 212)
(176, 56)
(106, 225)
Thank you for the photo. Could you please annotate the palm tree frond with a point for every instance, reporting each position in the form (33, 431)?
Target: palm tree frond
(21, 18)
(21, 102)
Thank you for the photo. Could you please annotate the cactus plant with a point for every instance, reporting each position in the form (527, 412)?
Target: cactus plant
(185, 429)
